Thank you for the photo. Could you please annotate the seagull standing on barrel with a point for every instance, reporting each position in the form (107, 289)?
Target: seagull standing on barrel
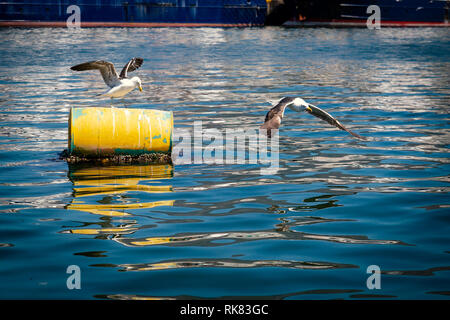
(275, 115)
(120, 84)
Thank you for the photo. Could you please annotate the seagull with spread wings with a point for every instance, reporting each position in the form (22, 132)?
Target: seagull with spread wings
(120, 84)
(275, 115)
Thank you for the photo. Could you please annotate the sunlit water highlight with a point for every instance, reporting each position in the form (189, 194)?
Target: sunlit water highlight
(336, 205)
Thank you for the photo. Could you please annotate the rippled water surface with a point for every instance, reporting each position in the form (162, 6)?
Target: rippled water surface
(336, 206)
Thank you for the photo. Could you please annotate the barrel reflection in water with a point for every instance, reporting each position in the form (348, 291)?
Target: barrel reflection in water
(107, 191)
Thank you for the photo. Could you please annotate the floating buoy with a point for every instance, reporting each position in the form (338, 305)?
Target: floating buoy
(114, 132)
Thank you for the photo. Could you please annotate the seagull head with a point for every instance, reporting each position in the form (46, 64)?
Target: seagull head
(297, 104)
(137, 82)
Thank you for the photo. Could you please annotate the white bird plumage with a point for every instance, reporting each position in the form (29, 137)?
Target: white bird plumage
(123, 87)
(120, 84)
(275, 115)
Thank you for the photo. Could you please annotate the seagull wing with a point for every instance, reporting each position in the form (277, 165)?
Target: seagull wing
(319, 113)
(277, 110)
(274, 116)
(106, 68)
(132, 65)
(272, 121)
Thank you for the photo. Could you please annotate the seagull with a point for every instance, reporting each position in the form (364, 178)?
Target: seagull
(120, 84)
(275, 115)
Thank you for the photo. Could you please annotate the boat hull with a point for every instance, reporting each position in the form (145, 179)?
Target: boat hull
(143, 13)
(355, 13)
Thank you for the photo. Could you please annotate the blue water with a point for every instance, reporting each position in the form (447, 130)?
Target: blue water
(336, 206)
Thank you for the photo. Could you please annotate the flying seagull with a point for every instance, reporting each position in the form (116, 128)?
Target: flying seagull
(275, 115)
(120, 84)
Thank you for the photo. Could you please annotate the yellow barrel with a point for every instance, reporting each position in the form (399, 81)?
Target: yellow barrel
(119, 131)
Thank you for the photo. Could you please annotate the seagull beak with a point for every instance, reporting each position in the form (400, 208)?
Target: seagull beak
(140, 88)
(308, 108)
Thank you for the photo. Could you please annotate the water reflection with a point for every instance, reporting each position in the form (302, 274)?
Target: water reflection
(318, 292)
(106, 190)
(281, 232)
(426, 272)
(94, 181)
(228, 263)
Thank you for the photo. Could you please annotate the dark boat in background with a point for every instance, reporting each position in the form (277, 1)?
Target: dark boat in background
(353, 13)
(223, 13)
(134, 13)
